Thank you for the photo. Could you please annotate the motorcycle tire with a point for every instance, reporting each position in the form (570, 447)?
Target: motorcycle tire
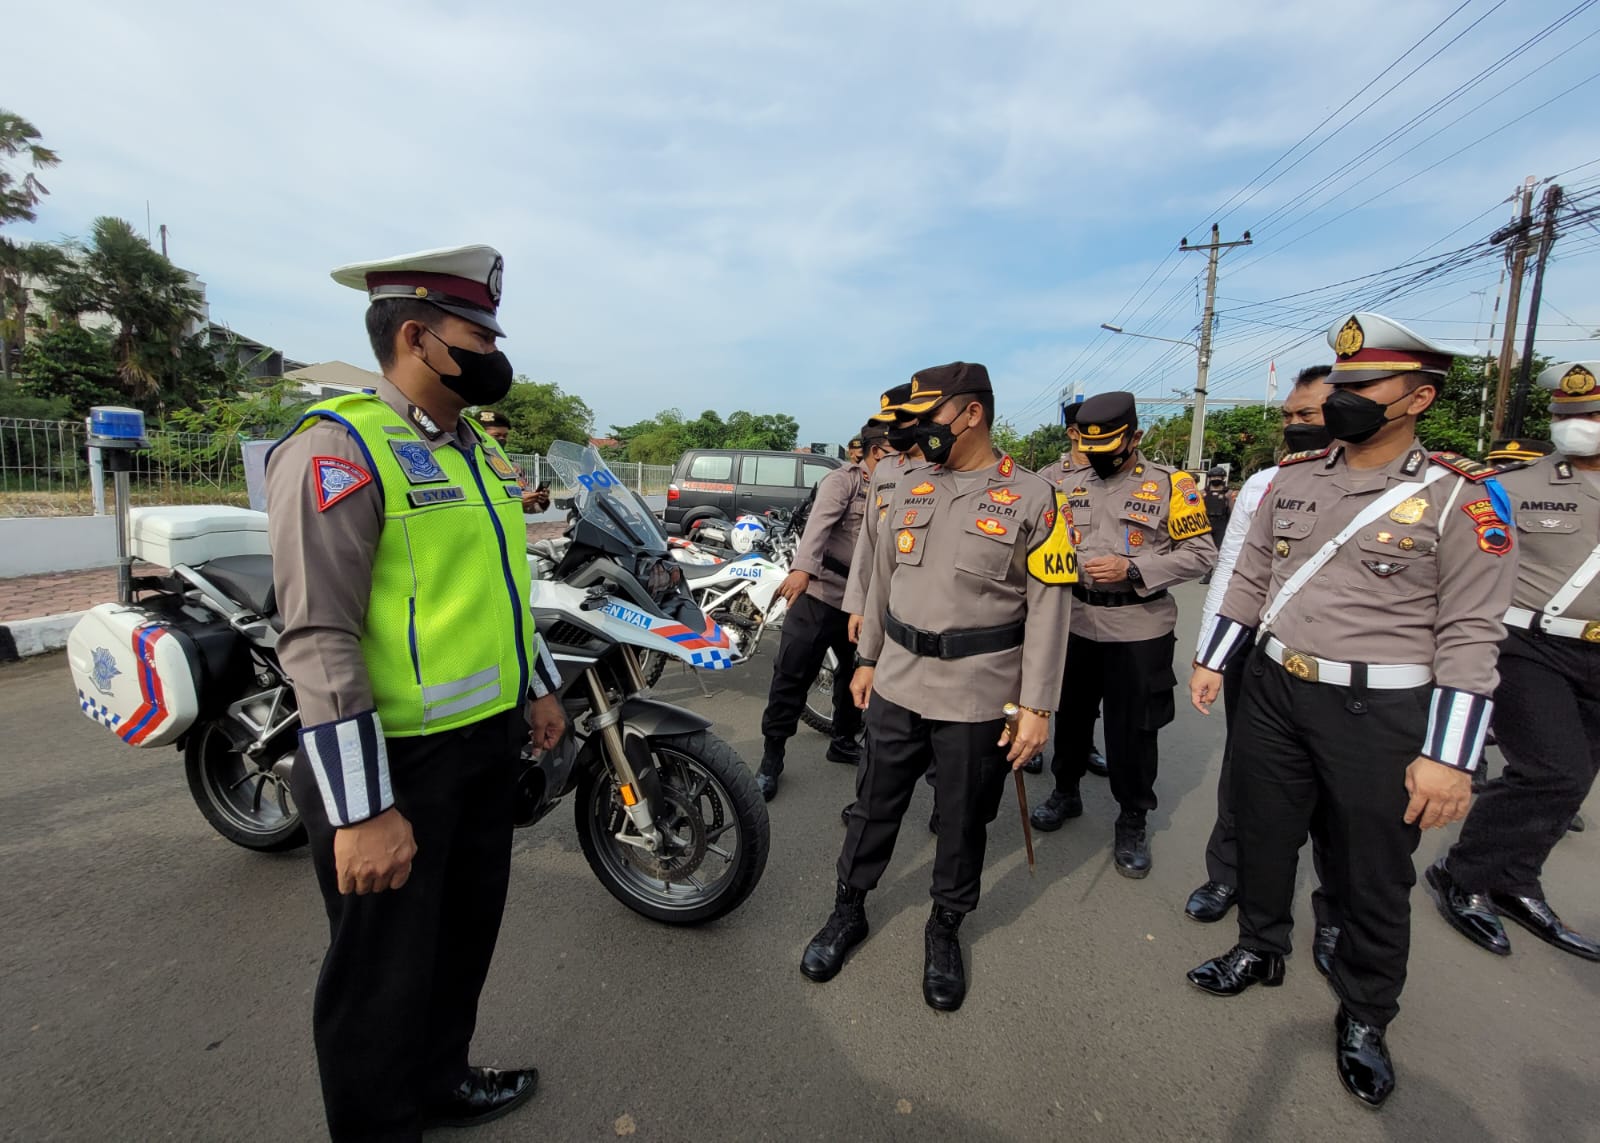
(246, 805)
(817, 711)
(713, 795)
(651, 665)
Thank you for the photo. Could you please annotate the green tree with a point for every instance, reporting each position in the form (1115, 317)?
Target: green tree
(775, 431)
(540, 412)
(72, 365)
(150, 300)
(19, 139)
(663, 438)
(1452, 422)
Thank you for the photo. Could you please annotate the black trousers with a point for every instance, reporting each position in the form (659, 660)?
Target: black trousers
(810, 628)
(397, 1000)
(1298, 744)
(1133, 683)
(971, 774)
(1547, 721)
(1222, 848)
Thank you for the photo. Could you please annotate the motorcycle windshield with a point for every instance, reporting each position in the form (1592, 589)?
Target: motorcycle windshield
(602, 499)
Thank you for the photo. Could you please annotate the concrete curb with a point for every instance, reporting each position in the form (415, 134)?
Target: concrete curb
(23, 638)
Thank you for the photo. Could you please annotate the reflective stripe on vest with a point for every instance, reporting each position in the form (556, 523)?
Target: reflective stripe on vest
(448, 639)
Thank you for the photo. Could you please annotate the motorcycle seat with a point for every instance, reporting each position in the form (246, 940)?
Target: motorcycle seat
(701, 571)
(246, 579)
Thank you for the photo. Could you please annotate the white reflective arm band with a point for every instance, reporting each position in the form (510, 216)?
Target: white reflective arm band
(546, 679)
(1226, 638)
(351, 766)
(1458, 722)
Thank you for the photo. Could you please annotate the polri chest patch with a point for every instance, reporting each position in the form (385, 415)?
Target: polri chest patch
(417, 462)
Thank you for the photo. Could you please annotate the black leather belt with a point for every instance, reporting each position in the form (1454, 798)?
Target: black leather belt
(953, 644)
(1114, 598)
(837, 566)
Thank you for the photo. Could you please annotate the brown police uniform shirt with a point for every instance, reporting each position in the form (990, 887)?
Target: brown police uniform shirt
(1427, 583)
(1557, 514)
(1150, 514)
(829, 541)
(322, 561)
(955, 554)
(875, 513)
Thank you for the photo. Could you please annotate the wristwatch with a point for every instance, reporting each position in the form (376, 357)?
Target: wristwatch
(1133, 573)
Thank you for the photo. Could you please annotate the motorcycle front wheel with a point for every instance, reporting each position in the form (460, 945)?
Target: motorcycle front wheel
(248, 805)
(713, 811)
(817, 713)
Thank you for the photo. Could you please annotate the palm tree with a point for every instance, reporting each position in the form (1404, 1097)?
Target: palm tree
(18, 137)
(148, 298)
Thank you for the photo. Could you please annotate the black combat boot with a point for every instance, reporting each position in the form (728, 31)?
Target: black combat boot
(845, 750)
(944, 977)
(771, 768)
(1131, 849)
(846, 928)
(1057, 808)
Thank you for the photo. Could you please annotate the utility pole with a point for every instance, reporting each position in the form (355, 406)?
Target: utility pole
(1519, 264)
(1214, 249)
(1547, 239)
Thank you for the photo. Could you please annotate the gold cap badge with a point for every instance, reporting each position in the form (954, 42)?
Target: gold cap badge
(1350, 340)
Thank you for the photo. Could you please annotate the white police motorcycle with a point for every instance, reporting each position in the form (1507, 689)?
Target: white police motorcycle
(667, 813)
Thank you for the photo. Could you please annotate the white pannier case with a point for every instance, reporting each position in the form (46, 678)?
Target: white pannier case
(137, 674)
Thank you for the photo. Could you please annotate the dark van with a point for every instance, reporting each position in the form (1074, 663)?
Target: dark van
(728, 481)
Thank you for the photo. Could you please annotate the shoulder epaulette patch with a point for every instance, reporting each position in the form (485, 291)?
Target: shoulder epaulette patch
(1464, 465)
(1309, 454)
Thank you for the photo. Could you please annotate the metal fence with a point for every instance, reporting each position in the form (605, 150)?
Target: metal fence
(45, 470)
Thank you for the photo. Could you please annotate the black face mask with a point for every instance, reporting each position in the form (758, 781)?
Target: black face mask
(1108, 464)
(902, 440)
(936, 441)
(1351, 417)
(484, 377)
(1306, 438)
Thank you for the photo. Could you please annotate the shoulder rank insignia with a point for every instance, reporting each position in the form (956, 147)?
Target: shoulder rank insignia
(416, 461)
(1309, 454)
(499, 465)
(335, 478)
(1414, 462)
(1186, 511)
(1464, 465)
(1053, 559)
(1563, 470)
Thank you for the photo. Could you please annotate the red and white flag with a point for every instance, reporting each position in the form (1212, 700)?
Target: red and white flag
(1272, 381)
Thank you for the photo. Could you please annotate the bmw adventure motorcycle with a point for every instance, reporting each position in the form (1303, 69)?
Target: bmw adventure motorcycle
(668, 815)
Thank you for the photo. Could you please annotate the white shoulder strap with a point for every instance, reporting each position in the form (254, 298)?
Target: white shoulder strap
(1317, 562)
(1573, 588)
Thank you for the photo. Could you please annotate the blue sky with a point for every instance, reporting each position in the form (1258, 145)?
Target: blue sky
(791, 207)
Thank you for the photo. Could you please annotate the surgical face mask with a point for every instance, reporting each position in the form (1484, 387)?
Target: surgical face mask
(1576, 436)
(1108, 464)
(1306, 438)
(1349, 416)
(484, 378)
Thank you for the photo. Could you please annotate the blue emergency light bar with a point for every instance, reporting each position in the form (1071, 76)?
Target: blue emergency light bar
(112, 426)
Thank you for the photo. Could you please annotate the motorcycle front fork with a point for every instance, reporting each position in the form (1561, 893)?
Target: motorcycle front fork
(636, 789)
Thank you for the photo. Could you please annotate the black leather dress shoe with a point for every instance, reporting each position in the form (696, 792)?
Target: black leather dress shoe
(1364, 1065)
(944, 977)
(486, 1094)
(769, 773)
(1470, 914)
(1236, 970)
(1540, 919)
(845, 929)
(846, 751)
(1577, 824)
(1130, 850)
(1322, 948)
(1034, 765)
(1097, 764)
(1210, 902)
(1057, 808)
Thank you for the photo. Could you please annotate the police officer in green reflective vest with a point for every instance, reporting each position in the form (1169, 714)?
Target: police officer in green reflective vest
(402, 584)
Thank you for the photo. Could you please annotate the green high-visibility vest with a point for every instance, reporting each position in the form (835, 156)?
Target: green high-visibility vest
(448, 639)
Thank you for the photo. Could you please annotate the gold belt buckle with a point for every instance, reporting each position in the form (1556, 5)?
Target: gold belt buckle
(1302, 667)
(1591, 631)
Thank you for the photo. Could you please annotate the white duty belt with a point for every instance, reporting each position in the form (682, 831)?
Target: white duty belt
(1388, 501)
(1380, 676)
(1550, 619)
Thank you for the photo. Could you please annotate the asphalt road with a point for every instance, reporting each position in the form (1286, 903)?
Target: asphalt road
(157, 980)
